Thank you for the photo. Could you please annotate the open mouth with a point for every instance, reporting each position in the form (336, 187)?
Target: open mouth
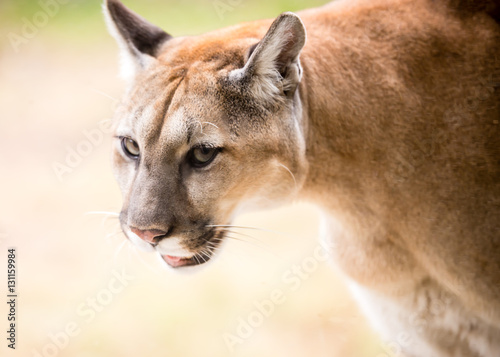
(204, 254)
(176, 262)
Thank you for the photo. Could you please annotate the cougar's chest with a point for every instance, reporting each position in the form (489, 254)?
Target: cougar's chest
(367, 253)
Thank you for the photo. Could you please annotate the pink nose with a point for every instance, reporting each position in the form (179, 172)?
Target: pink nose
(150, 236)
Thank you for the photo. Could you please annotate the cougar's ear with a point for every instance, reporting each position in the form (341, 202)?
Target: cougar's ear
(138, 39)
(273, 67)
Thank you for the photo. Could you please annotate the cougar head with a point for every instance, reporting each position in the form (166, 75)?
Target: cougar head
(208, 126)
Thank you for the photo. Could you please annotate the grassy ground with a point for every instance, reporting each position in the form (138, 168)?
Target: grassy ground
(54, 88)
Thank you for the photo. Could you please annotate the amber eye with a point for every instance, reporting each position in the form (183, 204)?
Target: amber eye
(201, 156)
(130, 147)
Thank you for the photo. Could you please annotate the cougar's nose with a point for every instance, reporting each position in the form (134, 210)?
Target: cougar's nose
(151, 236)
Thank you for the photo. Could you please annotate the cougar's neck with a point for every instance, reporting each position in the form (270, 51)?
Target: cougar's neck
(338, 132)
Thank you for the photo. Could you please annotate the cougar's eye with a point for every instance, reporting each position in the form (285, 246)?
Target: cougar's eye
(130, 147)
(201, 156)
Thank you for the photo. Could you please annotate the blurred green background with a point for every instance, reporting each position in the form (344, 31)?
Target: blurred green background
(57, 86)
(81, 20)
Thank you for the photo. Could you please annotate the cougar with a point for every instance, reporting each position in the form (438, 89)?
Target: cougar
(383, 113)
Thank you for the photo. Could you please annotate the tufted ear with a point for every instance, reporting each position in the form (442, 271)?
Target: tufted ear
(273, 67)
(138, 39)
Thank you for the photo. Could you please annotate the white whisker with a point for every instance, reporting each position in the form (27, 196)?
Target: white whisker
(244, 235)
(136, 252)
(203, 251)
(214, 244)
(290, 172)
(103, 213)
(259, 245)
(103, 94)
(245, 227)
(211, 245)
(118, 250)
(114, 234)
(206, 122)
(201, 126)
(130, 247)
(107, 215)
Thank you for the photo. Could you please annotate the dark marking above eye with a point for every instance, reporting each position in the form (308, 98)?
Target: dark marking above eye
(189, 134)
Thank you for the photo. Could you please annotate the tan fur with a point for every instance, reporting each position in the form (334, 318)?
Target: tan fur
(393, 131)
